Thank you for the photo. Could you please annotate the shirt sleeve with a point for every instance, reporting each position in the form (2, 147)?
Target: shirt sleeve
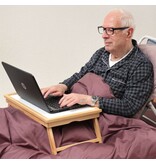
(138, 90)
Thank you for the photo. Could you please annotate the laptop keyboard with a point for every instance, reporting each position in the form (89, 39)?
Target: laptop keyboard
(54, 106)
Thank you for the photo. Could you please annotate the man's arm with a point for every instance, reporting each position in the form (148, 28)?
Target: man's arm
(138, 90)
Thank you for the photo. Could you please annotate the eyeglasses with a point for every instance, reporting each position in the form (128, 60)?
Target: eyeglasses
(109, 30)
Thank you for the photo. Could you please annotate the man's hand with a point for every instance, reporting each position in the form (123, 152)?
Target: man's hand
(56, 90)
(74, 98)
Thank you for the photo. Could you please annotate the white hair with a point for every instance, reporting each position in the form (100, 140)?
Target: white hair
(126, 18)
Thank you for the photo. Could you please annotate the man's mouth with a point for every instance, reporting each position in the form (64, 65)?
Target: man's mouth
(107, 43)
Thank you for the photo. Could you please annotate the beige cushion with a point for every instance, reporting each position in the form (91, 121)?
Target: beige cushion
(150, 51)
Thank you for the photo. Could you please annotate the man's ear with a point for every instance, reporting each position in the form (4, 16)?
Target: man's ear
(130, 32)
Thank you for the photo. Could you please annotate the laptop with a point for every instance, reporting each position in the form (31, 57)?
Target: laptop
(28, 89)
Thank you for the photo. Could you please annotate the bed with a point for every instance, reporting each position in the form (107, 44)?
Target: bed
(122, 138)
(23, 138)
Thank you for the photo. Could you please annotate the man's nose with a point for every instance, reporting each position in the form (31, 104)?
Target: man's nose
(105, 35)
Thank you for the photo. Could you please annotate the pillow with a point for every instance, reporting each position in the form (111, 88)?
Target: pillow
(92, 84)
(150, 51)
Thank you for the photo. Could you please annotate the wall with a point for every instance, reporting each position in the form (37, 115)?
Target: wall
(53, 42)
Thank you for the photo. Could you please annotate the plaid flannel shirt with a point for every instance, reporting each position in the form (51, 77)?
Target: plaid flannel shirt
(131, 80)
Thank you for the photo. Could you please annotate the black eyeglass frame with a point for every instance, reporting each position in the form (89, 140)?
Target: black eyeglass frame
(111, 29)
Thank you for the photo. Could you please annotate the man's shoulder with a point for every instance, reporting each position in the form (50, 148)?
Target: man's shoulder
(137, 61)
(101, 50)
(143, 57)
(140, 57)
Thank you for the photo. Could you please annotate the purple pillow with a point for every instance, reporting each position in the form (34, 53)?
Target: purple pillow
(94, 85)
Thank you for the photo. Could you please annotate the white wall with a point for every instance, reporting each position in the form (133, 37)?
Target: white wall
(53, 42)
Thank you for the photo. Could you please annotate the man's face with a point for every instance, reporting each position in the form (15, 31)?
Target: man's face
(115, 42)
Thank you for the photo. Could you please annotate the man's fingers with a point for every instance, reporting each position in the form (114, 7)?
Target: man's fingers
(67, 100)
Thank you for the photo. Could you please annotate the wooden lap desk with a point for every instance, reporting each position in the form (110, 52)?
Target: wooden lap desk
(57, 119)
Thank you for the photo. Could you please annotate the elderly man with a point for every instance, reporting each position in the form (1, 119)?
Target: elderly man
(120, 64)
